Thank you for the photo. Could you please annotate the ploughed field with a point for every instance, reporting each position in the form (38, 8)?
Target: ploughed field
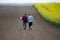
(11, 26)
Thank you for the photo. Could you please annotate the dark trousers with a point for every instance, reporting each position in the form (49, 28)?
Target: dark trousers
(30, 24)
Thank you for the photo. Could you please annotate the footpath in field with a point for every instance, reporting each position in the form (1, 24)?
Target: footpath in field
(11, 26)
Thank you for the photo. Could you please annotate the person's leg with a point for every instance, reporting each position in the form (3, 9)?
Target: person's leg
(24, 25)
(30, 25)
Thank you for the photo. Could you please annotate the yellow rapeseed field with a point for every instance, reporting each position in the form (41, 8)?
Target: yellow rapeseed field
(50, 11)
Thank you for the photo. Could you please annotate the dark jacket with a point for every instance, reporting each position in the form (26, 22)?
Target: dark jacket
(25, 19)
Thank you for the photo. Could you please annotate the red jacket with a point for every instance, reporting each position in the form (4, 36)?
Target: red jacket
(24, 18)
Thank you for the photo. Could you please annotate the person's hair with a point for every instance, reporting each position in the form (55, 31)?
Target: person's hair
(25, 14)
(29, 14)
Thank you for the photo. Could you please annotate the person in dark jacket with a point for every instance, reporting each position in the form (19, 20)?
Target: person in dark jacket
(25, 20)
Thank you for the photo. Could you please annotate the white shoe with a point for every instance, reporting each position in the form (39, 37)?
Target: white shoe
(31, 26)
(26, 29)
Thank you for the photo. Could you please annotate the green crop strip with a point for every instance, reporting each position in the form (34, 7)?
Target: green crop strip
(50, 12)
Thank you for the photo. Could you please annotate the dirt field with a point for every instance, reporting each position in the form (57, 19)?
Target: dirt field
(11, 26)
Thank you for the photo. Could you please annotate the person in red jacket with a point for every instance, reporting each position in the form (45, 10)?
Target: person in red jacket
(25, 20)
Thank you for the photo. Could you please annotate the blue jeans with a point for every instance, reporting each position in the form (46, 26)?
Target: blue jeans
(24, 25)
